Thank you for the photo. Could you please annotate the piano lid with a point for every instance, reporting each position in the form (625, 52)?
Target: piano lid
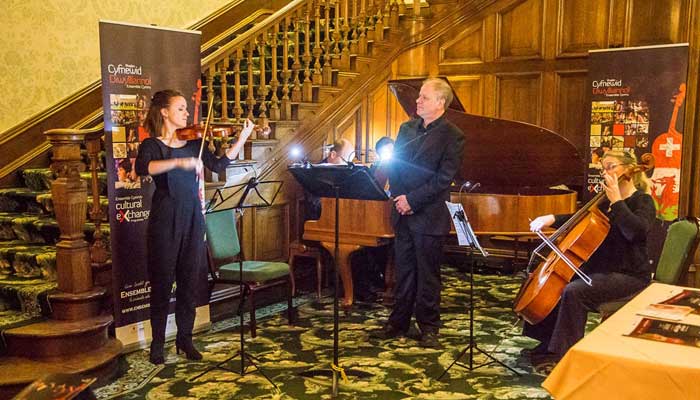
(501, 152)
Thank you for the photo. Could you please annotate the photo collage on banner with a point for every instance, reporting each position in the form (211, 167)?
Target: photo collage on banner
(128, 114)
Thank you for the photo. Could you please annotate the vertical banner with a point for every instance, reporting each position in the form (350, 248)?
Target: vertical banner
(637, 104)
(136, 62)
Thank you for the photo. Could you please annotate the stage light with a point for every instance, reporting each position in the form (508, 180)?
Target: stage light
(295, 152)
(386, 153)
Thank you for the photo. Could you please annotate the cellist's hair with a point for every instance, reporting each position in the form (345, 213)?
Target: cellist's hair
(159, 101)
(627, 158)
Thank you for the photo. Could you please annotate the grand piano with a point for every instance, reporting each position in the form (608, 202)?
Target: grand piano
(515, 165)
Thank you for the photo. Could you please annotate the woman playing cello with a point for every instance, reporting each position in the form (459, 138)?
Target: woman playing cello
(175, 235)
(618, 268)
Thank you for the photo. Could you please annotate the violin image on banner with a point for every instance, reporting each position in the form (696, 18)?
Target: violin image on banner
(580, 237)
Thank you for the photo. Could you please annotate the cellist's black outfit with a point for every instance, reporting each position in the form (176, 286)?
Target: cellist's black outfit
(175, 236)
(619, 268)
(425, 161)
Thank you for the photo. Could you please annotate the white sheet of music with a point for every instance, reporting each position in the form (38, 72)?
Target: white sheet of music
(463, 236)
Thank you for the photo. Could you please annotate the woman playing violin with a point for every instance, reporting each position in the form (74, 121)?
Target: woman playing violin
(175, 235)
(618, 268)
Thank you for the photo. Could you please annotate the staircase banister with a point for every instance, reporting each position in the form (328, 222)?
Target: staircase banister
(71, 134)
(251, 34)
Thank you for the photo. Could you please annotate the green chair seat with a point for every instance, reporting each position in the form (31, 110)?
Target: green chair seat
(254, 271)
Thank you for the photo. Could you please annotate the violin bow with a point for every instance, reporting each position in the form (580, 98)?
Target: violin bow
(206, 127)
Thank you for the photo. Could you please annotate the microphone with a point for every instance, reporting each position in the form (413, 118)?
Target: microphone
(410, 141)
(469, 186)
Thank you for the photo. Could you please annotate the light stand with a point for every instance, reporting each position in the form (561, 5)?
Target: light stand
(242, 196)
(463, 228)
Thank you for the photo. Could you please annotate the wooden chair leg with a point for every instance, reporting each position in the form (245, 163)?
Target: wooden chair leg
(291, 273)
(319, 277)
(291, 318)
(252, 314)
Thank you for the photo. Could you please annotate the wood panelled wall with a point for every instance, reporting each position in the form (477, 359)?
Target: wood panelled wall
(527, 60)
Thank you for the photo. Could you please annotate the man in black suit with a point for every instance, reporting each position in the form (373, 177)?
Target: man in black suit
(427, 156)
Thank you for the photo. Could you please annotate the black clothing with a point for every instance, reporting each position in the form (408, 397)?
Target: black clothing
(418, 281)
(626, 243)
(425, 161)
(620, 267)
(423, 170)
(175, 235)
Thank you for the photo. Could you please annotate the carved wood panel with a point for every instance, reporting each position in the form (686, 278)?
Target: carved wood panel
(518, 97)
(266, 232)
(571, 107)
(520, 30)
(651, 22)
(466, 47)
(470, 91)
(582, 25)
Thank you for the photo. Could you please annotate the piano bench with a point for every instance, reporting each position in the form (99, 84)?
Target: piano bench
(299, 249)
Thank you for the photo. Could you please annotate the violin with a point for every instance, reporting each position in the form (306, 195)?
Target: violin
(194, 132)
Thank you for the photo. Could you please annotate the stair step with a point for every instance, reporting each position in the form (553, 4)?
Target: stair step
(304, 110)
(21, 200)
(345, 77)
(13, 319)
(96, 362)
(39, 229)
(19, 260)
(52, 338)
(39, 179)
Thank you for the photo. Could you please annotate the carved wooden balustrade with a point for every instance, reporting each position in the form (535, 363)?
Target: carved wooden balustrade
(279, 61)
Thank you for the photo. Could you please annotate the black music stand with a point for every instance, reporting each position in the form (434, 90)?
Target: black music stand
(465, 232)
(251, 194)
(340, 182)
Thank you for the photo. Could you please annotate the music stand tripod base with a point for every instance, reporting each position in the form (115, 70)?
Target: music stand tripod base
(462, 224)
(252, 194)
(346, 182)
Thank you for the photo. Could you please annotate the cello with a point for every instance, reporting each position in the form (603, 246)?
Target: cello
(578, 238)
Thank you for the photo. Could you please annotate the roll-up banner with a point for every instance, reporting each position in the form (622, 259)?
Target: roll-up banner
(137, 61)
(637, 104)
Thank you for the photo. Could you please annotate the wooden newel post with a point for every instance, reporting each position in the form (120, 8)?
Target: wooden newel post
(69, 194)
(98, 250)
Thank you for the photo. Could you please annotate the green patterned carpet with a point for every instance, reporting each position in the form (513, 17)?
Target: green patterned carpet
(392, 369)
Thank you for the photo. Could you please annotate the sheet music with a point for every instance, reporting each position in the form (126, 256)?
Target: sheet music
(239, 178)
(462, 235)
(465, 234)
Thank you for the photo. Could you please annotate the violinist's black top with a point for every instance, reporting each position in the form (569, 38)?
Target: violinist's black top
(176, 182)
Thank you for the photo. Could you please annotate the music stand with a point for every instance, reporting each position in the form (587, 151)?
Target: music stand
(251, 194)
(467, 238)
(339, 182)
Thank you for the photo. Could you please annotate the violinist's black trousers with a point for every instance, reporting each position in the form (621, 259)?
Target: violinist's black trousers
(176, 253)
(566, 324)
